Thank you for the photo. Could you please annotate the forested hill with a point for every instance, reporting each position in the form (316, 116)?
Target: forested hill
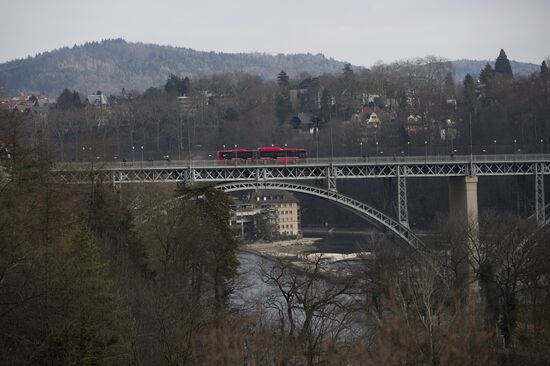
(473, 67)
(111, 65)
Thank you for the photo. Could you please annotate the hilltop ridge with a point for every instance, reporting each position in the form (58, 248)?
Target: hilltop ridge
(113, 64)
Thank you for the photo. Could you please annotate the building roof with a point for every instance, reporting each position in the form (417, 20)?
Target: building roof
(97, 100)
(273, 196)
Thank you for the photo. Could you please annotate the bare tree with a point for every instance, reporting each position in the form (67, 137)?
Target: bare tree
(317, 307)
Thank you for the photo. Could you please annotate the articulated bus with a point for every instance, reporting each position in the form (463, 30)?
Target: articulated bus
(279, 155)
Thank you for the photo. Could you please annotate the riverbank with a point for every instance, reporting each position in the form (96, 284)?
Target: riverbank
(293, 247)
(300, 251)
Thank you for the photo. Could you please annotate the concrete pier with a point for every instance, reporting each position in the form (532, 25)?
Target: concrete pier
(463, 213)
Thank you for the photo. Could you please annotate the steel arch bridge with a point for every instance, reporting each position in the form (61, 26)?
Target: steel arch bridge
(359, 208)
(461, 172)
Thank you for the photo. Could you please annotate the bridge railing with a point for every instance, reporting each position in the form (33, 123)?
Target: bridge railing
(427, 159)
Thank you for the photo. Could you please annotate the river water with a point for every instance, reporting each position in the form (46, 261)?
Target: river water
(252, 290)
(340, 241)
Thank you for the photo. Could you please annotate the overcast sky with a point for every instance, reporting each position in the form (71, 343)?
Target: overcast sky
(358, 31)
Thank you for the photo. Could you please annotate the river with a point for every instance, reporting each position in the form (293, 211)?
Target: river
(342, 241)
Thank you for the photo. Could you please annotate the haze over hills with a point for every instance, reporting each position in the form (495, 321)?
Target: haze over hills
(111, 65)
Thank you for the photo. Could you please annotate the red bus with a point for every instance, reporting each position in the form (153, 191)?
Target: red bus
(235, 154)
(263, 154)
(280, 154)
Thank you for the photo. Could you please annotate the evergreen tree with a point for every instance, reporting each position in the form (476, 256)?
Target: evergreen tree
(65, 99)
(486, 74)
(324, 111)
(282, 79)
(92, 324)
(469, 90)
(177, 86)
(216, 244)
(283, 106)
(348, 72)
(543, 69)
(449, 85)
(68, 100)
(33, 98)
(77, 102)
(502, 66)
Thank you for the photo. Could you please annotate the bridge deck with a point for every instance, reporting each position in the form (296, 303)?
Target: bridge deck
(306, 169)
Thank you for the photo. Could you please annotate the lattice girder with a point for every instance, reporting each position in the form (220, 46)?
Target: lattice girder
(75, 174)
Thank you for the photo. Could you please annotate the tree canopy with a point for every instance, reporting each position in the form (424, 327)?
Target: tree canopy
(486, 74)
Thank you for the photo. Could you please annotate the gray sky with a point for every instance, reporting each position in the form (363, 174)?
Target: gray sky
(359, 31)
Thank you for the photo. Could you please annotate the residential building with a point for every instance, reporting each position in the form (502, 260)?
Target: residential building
(97, 100)
(278, 211)
(286, 209)
(414, 124)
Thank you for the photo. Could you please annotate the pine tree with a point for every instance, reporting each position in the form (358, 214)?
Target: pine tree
(89, 322)
(324, 111)
(469, 90)
(77, 102)
(502, 66)
(283, 106)
(176, 85)
(282, 79)
(486, 74)
(543, 69)
(348, 72)
(449, 85)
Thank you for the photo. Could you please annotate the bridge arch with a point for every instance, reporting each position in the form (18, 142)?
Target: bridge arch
(359, 208)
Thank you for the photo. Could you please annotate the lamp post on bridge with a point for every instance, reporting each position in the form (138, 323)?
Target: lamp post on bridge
(541, 146)
(142, 155)
(408, 148)
(361, 149)
(286, 154)
(426, 149)
(495, 150)
(377, 148)
(515, 141)
(133, 149)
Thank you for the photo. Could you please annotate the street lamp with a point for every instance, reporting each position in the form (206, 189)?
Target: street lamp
(515, 145)
(361, 149)
(133, 148)
(495, 142)
(408, 148)
(541, 145)
(376, 148)
(141, 155)
(426, 149)
(236, 153)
